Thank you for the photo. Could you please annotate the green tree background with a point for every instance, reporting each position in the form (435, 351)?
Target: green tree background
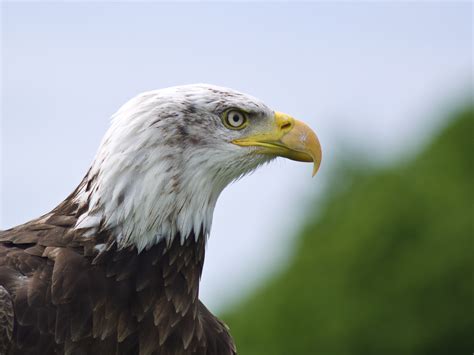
(385, 266)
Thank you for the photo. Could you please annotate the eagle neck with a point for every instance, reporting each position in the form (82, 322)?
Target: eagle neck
(168, 271)
(142, 213)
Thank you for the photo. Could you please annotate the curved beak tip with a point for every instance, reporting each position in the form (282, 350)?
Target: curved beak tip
(315, 168)
(302, 139)
(316, 154)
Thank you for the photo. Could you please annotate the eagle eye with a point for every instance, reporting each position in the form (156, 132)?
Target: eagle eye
(235, 119)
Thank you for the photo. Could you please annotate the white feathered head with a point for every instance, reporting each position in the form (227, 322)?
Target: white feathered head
(169, 154)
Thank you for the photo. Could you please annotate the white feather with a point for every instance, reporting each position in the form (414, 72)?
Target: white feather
(148, 183)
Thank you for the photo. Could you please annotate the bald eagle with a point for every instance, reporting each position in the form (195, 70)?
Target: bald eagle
(115, 267)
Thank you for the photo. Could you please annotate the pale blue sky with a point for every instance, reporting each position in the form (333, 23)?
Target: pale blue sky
(373, 76)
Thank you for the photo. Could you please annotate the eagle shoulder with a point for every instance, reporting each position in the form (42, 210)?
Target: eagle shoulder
(35, 281)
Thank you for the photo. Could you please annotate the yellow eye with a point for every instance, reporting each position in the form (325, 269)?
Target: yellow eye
(235, 119)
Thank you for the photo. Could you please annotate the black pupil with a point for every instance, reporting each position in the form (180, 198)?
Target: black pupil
(236, 118)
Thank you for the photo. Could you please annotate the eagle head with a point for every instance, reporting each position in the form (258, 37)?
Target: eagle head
(169, 154)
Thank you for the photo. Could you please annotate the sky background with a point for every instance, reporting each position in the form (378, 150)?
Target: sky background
(371, 78)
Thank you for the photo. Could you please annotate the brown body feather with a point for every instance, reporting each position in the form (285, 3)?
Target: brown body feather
(60, 294)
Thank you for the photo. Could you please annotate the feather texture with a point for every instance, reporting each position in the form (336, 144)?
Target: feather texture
(115, 268)
(115, 301)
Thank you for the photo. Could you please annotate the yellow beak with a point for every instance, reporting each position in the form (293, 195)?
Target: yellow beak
(287, 138)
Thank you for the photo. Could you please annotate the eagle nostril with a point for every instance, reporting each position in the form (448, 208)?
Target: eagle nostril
(285, 125)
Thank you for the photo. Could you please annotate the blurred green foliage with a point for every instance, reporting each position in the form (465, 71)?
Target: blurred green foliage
(386, 267)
